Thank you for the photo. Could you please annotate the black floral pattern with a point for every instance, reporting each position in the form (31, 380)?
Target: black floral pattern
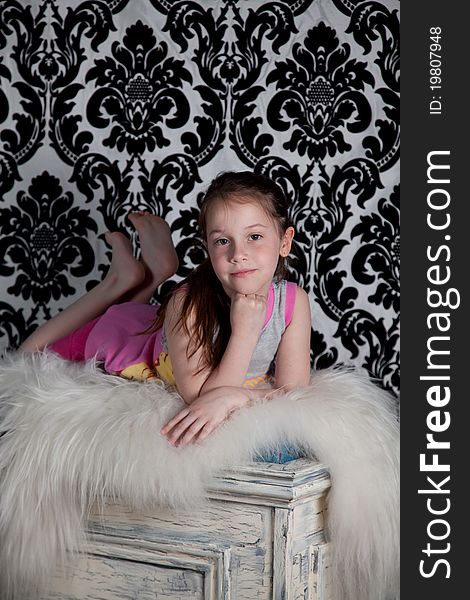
(106, 107)
(321, 94)
(138, 89)
(378, 259)
(4, 74)
(358, 328)
(44, 241)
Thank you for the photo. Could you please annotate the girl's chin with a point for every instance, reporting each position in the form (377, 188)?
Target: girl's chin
(243, 285)
(247, 290)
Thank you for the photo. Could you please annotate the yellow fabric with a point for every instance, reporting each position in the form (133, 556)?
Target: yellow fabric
(162, 369)
(255, 381)
(139, 372)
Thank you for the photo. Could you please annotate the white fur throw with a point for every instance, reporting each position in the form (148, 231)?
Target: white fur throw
(71, 435)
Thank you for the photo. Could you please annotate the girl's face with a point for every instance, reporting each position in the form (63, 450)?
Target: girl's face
(244, 245)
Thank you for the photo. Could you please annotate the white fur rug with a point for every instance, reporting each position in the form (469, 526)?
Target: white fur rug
(71, 435)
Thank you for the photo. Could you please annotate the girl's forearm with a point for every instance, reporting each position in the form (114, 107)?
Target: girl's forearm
(236, 397)
(233, 366)
(239, 397)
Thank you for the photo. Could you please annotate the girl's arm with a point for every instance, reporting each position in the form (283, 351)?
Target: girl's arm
(293, 354)
(197, 421)
(247, 315)
(247, 318)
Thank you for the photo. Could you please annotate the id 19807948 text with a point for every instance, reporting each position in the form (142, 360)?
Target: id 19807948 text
(435, 70)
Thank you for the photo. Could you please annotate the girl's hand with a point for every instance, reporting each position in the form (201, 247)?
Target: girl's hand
(247, 314)
(195, 422)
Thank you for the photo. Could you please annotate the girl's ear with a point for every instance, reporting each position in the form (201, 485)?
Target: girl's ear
(287, 242)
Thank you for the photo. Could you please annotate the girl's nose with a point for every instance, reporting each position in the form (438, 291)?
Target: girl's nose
(238, 252)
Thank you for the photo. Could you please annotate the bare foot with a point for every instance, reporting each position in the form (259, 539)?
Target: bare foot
(158, 255)
(125, 272)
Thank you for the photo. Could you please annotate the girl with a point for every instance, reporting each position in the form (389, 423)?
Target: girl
(227, 330)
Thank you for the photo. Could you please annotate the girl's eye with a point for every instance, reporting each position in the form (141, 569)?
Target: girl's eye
(255, 236)
(221, 242)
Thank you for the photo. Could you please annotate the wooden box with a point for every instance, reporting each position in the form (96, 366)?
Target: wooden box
(261, 536)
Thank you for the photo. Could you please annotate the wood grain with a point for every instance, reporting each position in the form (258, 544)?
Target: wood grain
(261, 535)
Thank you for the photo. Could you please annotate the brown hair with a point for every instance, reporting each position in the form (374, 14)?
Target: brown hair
(205, 298)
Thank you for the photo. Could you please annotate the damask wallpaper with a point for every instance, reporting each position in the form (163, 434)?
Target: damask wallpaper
(117, 105)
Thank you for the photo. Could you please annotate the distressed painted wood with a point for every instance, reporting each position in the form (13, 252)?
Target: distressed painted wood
(261, 535)
(117, 568)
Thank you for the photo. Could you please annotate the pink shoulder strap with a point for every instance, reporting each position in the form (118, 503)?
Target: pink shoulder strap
(291, 292)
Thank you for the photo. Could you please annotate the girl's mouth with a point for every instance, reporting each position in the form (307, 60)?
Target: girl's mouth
(243, 273)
